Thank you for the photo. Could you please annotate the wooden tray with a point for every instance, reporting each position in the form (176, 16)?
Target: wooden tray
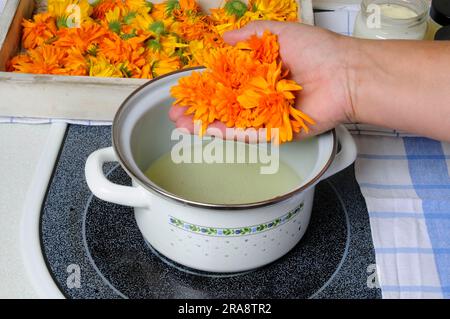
(66, 97)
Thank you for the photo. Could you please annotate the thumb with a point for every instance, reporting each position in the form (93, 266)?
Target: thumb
(254, 27)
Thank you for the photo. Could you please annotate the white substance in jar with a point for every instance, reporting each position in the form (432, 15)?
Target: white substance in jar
(395, 21)
(396, 11)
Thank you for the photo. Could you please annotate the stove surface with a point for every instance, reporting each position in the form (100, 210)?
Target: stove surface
(93, 249)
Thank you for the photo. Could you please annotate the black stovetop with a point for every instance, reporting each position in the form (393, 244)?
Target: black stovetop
(102, 241)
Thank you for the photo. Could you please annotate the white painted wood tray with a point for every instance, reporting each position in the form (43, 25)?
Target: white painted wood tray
(66, 97)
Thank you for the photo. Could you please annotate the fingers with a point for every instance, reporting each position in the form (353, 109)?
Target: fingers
(255, 27)
(217, 129)
(185, 123)
(220, 130)
(176, 112)
(313, 131)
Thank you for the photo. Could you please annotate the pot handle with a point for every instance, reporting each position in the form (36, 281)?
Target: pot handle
(346, 155)
(106, 190)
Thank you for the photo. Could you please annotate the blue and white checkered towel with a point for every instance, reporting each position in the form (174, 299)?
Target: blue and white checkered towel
(2, 5)
(405, 181)
(406, 185)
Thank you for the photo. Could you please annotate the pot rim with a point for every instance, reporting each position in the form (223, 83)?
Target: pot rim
(153, 188)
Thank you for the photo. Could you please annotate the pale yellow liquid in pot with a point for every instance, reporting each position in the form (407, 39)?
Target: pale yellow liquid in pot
(227, 183)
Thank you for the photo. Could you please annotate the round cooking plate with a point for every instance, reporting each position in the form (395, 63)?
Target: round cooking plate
(101, 244)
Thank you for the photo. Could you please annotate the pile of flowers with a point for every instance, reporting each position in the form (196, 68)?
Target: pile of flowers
(244, 86)
(133, 38)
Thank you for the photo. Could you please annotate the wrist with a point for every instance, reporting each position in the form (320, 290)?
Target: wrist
(354, 69)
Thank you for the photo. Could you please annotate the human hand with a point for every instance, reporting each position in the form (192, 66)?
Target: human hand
(317, 60)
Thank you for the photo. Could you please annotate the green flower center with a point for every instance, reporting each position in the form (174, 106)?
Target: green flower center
(149, 5)
(172, 5)
(129, 17)
(114, 26)
(93, 50)
(125, 71)
(153, 44)
(61, 22)
(157, 27)
(236, 7)
(127, 36)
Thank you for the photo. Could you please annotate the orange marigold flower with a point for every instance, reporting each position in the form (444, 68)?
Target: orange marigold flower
(136, 38)
(163, 64)
(189, 5)
(232, 67)
(194, 28)
(223, 21)
(196, 92)
(280, 10)
(100, 66)
(143, 6)
(264, 49)
(80, 38)
(69, 13)
(159, 11)
(75, 63)
(19, 63)
(103, 6)
(245, 87)
(116, 49)
(45, 59)
(38, 30)
(138, 57)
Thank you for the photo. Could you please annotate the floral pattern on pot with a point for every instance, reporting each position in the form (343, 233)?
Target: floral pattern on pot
(231, 232)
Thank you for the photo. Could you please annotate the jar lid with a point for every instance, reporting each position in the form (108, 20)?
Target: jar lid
(440, 12)
(443, 33)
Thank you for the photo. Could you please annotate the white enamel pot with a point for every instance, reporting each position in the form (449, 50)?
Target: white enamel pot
(208, 237)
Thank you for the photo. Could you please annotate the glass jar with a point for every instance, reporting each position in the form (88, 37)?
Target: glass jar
(439, 17)
(392, 19)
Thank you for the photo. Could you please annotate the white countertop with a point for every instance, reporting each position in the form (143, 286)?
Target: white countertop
(21, 146)
(27, 158)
